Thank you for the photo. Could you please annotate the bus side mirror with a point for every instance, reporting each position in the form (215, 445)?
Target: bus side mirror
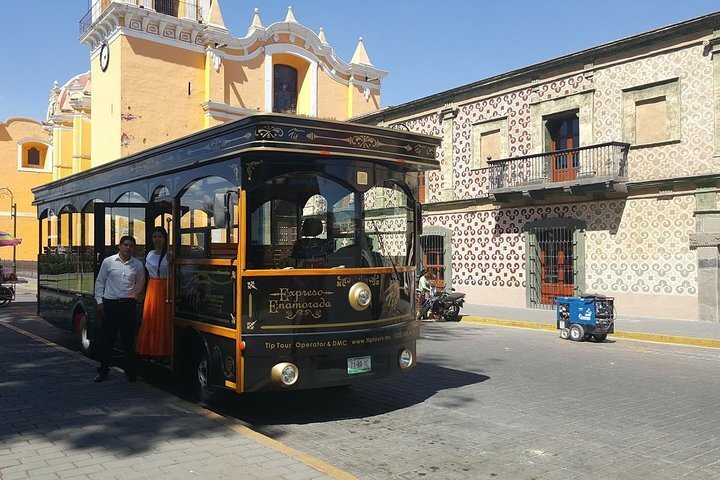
(220, 210)
(418, 217)
(223, 206)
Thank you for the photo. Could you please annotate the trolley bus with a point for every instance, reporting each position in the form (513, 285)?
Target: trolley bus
(294, 242)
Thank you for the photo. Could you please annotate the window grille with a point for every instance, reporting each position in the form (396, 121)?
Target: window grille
(433, 247)
(552, 265)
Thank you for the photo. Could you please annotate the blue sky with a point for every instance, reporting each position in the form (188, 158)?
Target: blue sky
(427, 46)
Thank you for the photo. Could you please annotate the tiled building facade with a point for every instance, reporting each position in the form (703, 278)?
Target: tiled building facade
(597, 172)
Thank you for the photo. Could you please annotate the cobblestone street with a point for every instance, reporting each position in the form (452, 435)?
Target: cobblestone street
(485, 402)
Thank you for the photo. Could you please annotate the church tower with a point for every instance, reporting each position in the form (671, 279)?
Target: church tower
(162, 69)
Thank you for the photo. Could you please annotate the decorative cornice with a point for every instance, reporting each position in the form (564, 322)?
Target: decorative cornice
(449, 111)
(712, 45)
(10, 120)
(698, 240)
(62, 121)
(136, 19)
(260, 36)
(151, 25)
(223, 110)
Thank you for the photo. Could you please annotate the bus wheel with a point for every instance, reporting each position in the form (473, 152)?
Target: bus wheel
(207, 394)
(87, 345)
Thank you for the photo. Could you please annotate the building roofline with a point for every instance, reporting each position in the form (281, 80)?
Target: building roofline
(706, 22)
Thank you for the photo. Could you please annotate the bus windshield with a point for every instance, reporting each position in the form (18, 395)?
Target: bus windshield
(311, 221)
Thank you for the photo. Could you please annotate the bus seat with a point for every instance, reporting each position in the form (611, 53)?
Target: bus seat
(309, 246)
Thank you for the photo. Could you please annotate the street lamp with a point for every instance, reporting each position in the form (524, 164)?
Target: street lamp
(4, 192)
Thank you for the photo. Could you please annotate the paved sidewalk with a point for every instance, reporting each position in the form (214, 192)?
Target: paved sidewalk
(56, 423)
(686, 332)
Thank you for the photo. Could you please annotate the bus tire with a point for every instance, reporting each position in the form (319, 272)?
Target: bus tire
(88, 345)
(207, 394)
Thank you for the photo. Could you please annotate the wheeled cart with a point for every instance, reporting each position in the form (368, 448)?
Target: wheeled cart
(585, 317)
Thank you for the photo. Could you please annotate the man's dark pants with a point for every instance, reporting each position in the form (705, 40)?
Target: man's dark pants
(119, 315)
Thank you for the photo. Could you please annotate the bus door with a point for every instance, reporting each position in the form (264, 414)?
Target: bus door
(112, 222)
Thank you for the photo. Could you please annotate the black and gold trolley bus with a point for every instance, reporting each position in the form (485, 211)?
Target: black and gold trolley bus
(294, 244)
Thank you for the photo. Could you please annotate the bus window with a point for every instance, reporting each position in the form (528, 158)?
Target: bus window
(120, 221)
(203, 234)
(389, 223)
(293, 222)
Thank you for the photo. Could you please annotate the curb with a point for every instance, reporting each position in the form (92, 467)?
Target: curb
(645, 337)
(238, 426)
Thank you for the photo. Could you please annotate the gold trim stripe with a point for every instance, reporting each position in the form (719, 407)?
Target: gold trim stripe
(204, 327)
(228, 262)
(239, 357)
(347, 324)
(293, 272)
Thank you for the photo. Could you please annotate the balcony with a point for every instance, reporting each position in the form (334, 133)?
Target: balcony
(592, 170)
(186, 9)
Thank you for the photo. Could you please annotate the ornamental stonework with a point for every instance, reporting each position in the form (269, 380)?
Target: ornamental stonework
(634, 246)
(694, 154)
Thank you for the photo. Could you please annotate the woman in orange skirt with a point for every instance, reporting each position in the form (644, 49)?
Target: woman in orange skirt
(155, 335)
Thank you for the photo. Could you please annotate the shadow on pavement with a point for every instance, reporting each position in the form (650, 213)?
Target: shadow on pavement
(49, 394)
(359, 401)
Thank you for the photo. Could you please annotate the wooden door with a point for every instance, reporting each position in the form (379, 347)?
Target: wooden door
(564, 135)
(557, 269)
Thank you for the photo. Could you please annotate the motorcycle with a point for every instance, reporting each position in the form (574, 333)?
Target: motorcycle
(442, 305)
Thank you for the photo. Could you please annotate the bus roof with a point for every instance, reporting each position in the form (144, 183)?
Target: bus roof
(266, 132)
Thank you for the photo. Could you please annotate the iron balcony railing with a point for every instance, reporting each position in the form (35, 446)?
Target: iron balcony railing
(187, 9)
(603, 161)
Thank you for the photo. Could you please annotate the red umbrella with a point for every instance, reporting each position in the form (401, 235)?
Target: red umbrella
(7, 240)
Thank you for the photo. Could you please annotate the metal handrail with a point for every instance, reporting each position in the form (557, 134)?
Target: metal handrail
(187, 9)
(593, 161)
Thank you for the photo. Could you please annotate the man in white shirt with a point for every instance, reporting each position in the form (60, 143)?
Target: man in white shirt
(119, 283)
(424, 282)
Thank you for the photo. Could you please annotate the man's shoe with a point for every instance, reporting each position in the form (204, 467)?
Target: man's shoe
(101, 377)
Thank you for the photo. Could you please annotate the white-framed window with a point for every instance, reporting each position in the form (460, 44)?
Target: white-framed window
(34, 155)
(651, 113)
(489, 141)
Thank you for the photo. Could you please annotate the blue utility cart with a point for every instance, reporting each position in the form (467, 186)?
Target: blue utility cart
(584, 317)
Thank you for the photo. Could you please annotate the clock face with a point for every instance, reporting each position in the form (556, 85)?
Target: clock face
(104, 56)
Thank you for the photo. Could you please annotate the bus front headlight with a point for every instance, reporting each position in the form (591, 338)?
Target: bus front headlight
(284, 374)
(360, 296)
(405, 360)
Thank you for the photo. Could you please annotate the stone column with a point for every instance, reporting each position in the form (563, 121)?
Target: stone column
(706, 240)
(713, 47)
(447, 116)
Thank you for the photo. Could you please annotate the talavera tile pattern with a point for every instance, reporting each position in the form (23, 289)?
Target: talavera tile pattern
(694, 154)
(639, 245)
(634, 246)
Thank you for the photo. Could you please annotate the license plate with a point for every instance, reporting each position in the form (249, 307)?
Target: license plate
(358, 365)
(562, 323)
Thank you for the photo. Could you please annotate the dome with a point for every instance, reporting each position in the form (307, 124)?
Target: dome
(71, 96)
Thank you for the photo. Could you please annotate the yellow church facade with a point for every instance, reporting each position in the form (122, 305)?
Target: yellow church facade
(160, 70)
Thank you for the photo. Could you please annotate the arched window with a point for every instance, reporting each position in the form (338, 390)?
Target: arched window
(32, 155)
(285, 89)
